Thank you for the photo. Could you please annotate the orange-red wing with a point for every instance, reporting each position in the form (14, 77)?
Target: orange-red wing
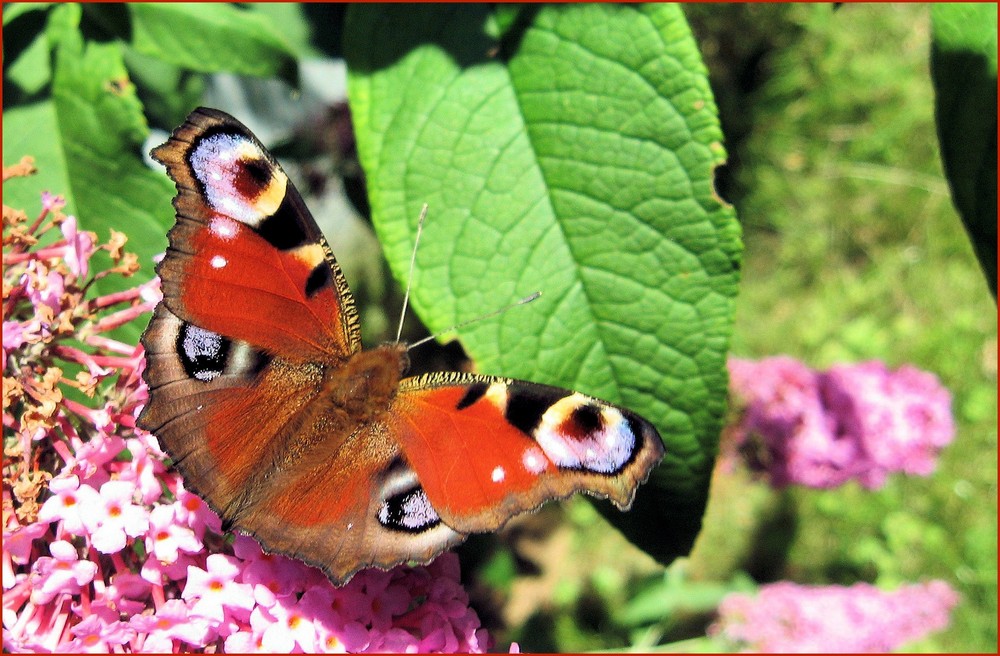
(362, 506)
(252, 435)
(218, 407)
(486, 449)
(246, 259)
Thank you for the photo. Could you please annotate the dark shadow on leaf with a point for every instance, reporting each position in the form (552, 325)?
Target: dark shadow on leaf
(411, 26)
(966, 117)
(106, 22)
(328, 21)
(510, 39)
(19, 35)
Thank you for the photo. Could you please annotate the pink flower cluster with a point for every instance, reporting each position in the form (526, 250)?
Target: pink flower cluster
(788, 617)
(821, 429)
(103, 547)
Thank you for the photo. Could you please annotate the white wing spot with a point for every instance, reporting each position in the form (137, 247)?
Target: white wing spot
(498, 474)
(224, 228)
(534, 460)
(218, 262)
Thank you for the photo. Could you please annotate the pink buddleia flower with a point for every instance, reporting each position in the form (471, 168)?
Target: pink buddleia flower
(115, 517)
(384, 599)
(902, 418)
(250, 640)
(272, 575)
(69, 504)
(333, 634)
(171, 621)
(159, 572)
(191, 511)
(17, 542)
(91, 460)
(96, 635)
(52, 202)
(44, 288)
(128, 592)
(80, 247)
(787, 617)
(143, 469)
(166, 537)
(61, 574)
(215, 592)
(290, 626)
(821, 429)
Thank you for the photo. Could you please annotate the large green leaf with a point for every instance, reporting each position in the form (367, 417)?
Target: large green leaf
(211, 37)
(964, 68)
(567, 149)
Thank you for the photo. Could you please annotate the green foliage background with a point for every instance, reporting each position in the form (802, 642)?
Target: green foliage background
(854, 251)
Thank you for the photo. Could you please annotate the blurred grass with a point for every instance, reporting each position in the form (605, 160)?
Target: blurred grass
(853, 251)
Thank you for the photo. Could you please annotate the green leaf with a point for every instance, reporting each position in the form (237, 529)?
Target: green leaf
(14, 10)
(210, 37)
(964, 68)
(673, 596)
(570, 150)
(87, 142)
(25, 51)
(168, 92)
(102, 130)
(27, 130)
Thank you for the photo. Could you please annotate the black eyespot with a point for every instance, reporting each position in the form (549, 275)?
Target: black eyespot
(203, 353)
(258, 170)
(409, 512)
(587, 419)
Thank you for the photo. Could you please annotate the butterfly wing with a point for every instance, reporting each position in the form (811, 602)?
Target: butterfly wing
(260, 391)
(359, 508)
(268, 457)
(486, 449)
(256, 331)
(246, 259)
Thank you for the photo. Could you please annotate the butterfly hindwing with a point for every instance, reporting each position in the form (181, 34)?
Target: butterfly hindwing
(363, 508)
(219, 406)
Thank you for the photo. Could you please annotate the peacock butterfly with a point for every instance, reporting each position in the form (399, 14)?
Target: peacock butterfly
(262, 395)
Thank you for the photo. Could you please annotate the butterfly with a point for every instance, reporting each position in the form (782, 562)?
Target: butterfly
(261, 393)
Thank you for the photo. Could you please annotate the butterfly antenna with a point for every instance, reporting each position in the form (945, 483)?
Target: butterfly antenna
(409, 276)
(526, 299)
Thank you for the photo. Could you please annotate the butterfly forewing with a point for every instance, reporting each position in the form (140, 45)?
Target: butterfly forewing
(488, 448)
(246, 259)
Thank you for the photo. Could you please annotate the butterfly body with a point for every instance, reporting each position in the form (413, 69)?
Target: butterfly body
(263, 396)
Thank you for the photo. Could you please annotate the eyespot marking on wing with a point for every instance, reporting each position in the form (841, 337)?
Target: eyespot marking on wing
(237, 178)
(525, 406)
(409, 511)
(578, 433)
(202, 352)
